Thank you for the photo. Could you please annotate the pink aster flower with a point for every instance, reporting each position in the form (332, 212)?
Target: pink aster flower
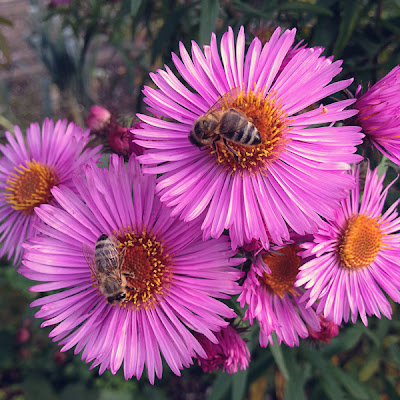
(379, 114)
(173, 278)
(230, 353)
(28, 172)
(256, 191)
(273, 300)
(355, 255)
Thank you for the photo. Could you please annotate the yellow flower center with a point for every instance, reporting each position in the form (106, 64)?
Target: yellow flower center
(29, 187)
(146, 268)
(271, 121)
(284, 266)
(360, 242)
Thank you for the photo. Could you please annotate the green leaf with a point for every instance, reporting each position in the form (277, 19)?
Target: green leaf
(390, 390)
(383, 166)
(353, 386)
(347, 340)
(208, 19)
(5, 50)
(5, 21)
(115, 395)
(298, 372)
(304, 7)
(135, 5)
(276, 351)
(239, 385)
(220, 387)
(77, 391)
(328, 382)
(37, 387)
(350, 13)
(370, 367)
(395, 354)
(168, 31)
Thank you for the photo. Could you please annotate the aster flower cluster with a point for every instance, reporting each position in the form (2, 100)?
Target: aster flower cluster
(239, 203)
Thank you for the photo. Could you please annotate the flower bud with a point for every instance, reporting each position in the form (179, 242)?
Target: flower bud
(98, 119)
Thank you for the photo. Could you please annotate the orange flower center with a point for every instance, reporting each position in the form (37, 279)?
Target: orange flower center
(29, 187)
(360, 242)
(145, 267)
(284, 266)
(271, 121)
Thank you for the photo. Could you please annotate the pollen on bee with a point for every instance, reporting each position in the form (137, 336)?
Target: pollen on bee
(270, 120)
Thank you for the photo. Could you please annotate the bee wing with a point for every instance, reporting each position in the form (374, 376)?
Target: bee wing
(88, 252)
(226, 100)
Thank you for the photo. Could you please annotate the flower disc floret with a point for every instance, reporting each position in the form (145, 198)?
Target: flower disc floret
(147, 268)
(360, 242)
(29, 187)
(284, 265)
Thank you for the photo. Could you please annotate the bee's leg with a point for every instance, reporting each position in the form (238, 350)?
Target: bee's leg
(231, 150)
(214, 146)
(130, 275)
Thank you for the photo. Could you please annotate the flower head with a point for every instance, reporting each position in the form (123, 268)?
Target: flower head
(379, 114)
(230, 353)
(354, 256)
(265, 178)
(28, 172)
(273, 300)
(170, 279)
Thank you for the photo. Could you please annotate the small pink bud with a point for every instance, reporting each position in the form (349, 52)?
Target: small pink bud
(328, 331)
(98, 118)
(23, 335)
(59, 358)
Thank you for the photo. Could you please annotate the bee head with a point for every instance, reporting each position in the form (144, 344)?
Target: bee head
(117, 298)
(203, 127)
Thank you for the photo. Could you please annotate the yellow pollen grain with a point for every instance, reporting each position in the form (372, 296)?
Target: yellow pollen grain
(29, 187)
(360, 242)
(284, 266)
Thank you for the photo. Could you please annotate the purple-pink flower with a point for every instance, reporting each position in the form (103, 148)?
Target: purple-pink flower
(272, 299)
(256, 191)
(174, 278)
(355, 256)
(28, 172)
(230, 353)
(379, 114)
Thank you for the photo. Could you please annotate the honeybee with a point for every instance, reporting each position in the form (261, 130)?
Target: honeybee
(229, 124)
(105, 262)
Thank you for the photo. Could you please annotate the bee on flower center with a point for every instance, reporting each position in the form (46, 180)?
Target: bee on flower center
(228, 124)
(106, 263)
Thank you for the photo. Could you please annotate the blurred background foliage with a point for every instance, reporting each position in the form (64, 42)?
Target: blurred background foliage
(101, 52)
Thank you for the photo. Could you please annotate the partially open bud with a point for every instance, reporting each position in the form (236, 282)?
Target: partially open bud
(230, 353)
(98, 119)
(328, 331)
